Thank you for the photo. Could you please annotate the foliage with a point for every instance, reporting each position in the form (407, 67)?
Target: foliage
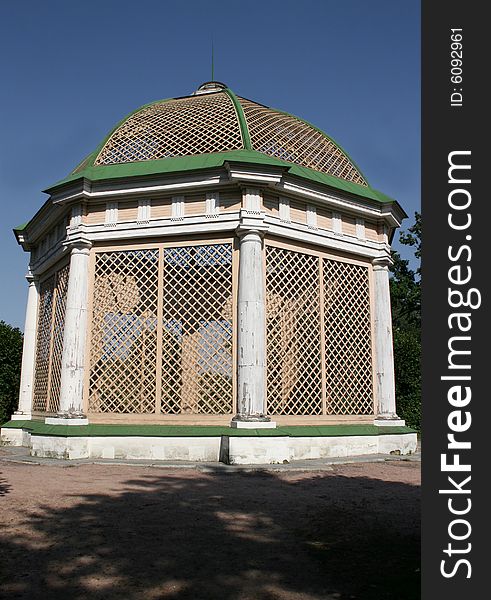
(405, 293)
(405, 287)
(407, 358)
(10, 362)
(413, 238)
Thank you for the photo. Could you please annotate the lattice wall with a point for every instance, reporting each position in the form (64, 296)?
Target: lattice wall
(182, 127)
(162, 331)
(290, 139)
(43, 344)
(49, 343)
(293, 333)
(58, 331)
(197, 315)
(124, 332)
(318, 335)
(348, 339)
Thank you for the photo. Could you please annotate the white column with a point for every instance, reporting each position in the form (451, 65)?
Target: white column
(28, 351)
(251, 325)
(384, 353)
(74, 337)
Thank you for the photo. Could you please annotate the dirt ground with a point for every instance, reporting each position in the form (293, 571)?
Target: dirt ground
(132, 532)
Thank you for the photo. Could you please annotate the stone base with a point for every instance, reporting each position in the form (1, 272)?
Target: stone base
(277, 450)
(238, 448)
(15, 437)
(66, 421)
(194, 449)
(253, 424)
(389, 422)
(18, 416)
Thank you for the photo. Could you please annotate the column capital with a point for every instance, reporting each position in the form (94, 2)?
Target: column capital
(31, 277)
(243, 232)
(251, 221)
(78, 245)
(382, 263)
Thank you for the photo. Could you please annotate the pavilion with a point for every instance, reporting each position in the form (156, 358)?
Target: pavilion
(211, 283)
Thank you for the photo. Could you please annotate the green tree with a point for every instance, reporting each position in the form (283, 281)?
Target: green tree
(405, 286)
(10, 362)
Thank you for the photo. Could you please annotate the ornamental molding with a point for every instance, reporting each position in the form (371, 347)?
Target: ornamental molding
(279, 181)
(130, 191)
(251, 221)
(382, 263)
(391, 214)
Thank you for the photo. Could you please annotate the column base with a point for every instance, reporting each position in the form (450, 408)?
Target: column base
(389, 421)
(67, 418)
(252, 422)
(20, 416)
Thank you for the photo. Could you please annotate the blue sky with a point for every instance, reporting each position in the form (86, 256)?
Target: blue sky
(71, 70)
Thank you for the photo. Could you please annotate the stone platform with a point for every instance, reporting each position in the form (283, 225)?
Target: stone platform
(207, 443)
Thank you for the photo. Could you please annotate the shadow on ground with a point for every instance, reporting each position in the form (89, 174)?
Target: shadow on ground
(254, 536)
(4, 486)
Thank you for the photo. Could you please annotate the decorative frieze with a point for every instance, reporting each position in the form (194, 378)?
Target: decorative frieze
(177, 208)
(337, 223)
(144, 210)
(252, 200)
(311, 216)
(76, 216)
(212, 204)
(360, 229)
(111, 215)
(284, 209)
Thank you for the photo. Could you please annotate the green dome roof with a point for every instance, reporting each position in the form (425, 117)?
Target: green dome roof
(212, 127)
(214, 120)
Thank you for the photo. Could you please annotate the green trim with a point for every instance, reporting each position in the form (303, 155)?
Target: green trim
(206, 161)
(246, 138)
(21, 227)
(86, 162)
(40, 428)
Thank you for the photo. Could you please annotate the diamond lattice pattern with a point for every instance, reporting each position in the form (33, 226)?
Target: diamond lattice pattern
(348, 339)
(58, 331)
(293, 333)
(193, 335)
(182, 127)
(124, 332)
(295, 368)
(288, 138)
(197, 338)
(43, 344)
(49, 343)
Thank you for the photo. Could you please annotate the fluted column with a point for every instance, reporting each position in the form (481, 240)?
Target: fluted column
(251, 327)
(28, 351)
(383, 346)
(75, 335)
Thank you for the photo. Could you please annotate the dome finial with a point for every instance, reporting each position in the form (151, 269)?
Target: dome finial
(209, 87)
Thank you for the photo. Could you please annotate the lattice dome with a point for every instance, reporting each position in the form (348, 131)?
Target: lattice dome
(214, 120)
